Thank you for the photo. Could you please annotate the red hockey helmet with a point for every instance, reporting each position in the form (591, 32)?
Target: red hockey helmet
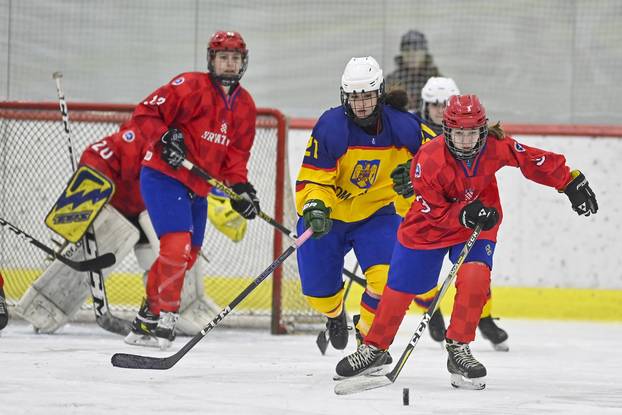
(227, 41)
(464, 112)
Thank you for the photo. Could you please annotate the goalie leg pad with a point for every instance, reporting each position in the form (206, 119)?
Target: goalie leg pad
(56, 296)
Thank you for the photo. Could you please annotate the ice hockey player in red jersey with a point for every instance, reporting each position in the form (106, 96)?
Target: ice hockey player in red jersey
(209, 119)
(4, 311)
(453, 177)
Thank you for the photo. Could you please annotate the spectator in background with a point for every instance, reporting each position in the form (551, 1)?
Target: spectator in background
(4, 312)
(414, 66)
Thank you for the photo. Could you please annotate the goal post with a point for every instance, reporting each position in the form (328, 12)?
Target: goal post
(34, 169)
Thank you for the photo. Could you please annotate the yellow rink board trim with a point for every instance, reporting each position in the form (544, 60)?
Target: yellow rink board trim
(536, 303)
(509, 302)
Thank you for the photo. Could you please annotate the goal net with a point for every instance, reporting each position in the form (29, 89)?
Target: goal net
(35, 167)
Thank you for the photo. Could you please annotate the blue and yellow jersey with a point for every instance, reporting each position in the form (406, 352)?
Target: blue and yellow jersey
(349, 169)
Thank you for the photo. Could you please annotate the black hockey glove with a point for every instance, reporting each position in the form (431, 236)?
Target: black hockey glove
(401, 180)
(475, 212)
(581, 195)
(248, 204)
(317, 217)
(173, 148)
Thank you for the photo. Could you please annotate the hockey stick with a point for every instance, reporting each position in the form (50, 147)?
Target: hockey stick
(96, 263)
(323, 336)
(103, 316)
(233, 195)
(362, 383)
(132, 361)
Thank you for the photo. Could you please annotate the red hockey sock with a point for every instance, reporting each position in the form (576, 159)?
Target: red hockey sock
(391, 310)
(166, 276)
(472, 288)
(1, 281)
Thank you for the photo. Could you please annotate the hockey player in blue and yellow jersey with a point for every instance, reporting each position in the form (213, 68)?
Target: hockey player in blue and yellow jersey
(344, 192)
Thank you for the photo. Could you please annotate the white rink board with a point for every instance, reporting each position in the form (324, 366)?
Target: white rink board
(542, 242)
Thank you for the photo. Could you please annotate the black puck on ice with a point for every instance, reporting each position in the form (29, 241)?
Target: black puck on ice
(405, 396)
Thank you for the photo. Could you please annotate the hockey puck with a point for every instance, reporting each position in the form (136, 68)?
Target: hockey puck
(405, 396)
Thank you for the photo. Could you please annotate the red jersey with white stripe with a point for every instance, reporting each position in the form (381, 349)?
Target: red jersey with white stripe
(119, 158)
(219, 129)
(444, 186)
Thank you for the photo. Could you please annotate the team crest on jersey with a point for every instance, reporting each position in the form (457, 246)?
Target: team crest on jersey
(417, 171)
(129, 136)
(518, 147)
(364, 174)
(468, 194)
(223, 127)
(178, 81)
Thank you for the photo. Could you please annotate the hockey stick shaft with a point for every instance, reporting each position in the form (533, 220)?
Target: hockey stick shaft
(361, 383)
(233, 195)
(96, 263)
(103, 316)
(131, 361)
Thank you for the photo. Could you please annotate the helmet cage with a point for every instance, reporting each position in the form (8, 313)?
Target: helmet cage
(227, 42)
(465, 154)
(372, 118)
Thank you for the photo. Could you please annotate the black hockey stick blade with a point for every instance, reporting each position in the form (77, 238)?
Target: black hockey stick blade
(133, 361)
(113, 324)
(103, 261)
(322, 341)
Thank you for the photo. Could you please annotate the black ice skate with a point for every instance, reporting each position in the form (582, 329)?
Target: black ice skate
(496, 335)
(143, 328)
(466, 371)
(366, 360)
(338, 330)
(4, 311)
(165, 330)
(437, 326)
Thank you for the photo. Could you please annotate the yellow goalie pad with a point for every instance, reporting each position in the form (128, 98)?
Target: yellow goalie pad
(224, 218)
(77, 207)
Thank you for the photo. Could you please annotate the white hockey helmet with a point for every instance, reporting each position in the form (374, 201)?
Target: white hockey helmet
(437, 90)
(362, 75)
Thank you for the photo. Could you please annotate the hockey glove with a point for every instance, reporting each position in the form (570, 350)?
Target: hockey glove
(173, 148)
(317, 217)
(248, 204)
(581, 194)
(475, 212)
(401, 180)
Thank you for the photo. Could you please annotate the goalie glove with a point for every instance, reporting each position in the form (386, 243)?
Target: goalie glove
(173, 148)
(317, 217)
(224, 218)
(248, 204)
(581, 195)
(401, 180)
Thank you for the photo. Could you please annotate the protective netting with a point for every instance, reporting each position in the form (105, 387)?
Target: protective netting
(35, 167)
(531, 61)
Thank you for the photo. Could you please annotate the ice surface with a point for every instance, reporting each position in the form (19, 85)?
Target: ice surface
(552, 368)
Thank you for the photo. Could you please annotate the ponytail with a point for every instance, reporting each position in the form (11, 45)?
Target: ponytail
(496, 130)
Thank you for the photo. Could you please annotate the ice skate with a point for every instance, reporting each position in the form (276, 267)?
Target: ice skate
(143, 328)
(165, 330)
(437, 326)
(366, 360)
(496, 335)
(338, 330)
(466, 371)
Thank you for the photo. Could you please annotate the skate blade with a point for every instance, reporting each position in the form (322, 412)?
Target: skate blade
(141, 340)
(501, 347)
(460, 382)
(164, 344)
(372, 371)
(361, 383)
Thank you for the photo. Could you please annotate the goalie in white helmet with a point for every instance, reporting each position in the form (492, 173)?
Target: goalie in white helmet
(343, 192)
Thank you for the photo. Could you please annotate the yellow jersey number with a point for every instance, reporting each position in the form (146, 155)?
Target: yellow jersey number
(312, 148)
